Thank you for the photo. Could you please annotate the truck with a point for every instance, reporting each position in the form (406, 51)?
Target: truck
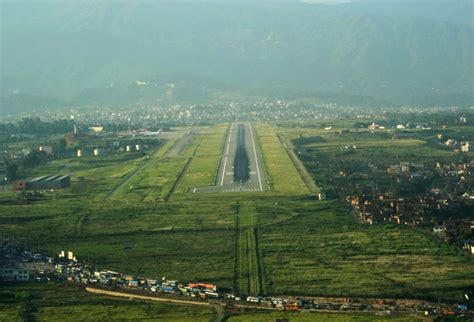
(203, 286)
(168, 289)
(253, 299)
(211, 294)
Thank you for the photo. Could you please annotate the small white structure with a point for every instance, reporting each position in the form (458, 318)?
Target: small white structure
(465, 147)
(96, 151)
(128, 148)
(48, 149)
(14, 273)
(439, 230)
(138, 147)
(96, 129)
(400, 126)
(79, 153)
(469, 246)
(449, 142)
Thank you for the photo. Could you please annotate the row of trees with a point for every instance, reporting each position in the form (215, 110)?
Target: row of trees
(14, 168)
(34, 125)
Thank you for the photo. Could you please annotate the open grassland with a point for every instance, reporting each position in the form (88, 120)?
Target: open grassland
(324, 250)
(206, 155)
(282, 175)
(153, 182)
(92, 177)
(376, 146)
(286, 245)
(247, 264)
(185, 242)
(59, 302)
(188, 255)
(157, 177)
(312, 316)
(284, 241)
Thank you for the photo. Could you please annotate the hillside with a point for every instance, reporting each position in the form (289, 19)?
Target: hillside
(69, 49)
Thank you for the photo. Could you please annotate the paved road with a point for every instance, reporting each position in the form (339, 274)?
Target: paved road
(180, 145)
(225, 179)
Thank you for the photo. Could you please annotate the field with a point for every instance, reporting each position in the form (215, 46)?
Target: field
(299, 246)
(324, 250)
(93, 177)
(153, 182)
(248, 276)
(279, 242)
(281, 172)
(310, 317)
(206, 155)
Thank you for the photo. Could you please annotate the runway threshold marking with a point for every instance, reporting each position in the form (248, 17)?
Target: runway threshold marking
(256, 161)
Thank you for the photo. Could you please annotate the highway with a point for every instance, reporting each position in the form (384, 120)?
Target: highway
(225, 181)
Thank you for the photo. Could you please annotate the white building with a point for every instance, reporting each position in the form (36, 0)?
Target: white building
(14, 273)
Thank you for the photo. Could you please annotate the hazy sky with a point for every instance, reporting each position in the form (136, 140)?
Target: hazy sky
(326, 1)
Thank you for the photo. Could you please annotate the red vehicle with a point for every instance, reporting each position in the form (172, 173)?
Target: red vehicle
(292, 307)
(203, 286)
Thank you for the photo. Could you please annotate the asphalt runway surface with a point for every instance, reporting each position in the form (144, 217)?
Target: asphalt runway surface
(256, 174)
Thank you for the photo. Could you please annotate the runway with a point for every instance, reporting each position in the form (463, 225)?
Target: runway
(256, 176)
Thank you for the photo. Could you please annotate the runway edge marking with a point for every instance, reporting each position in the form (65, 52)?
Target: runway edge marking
(256, 160)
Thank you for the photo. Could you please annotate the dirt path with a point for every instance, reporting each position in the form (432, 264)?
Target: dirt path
(220, 313)
(143, 297)
(307, 179)
(127, 178)
(248, 279)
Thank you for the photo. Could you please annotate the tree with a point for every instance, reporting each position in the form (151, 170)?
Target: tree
(59, 147)
(12, 171)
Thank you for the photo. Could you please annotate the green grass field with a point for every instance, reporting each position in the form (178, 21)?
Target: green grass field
(278, 242)
(310, 317)
(206, 155)
(282, 175)
(324, 250)
(153, 182)
(307, 247)
(92, 177)
(247, 262)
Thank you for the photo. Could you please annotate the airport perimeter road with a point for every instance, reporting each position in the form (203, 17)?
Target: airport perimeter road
(225, 180)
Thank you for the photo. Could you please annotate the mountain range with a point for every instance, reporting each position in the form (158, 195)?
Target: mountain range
(399, 52)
